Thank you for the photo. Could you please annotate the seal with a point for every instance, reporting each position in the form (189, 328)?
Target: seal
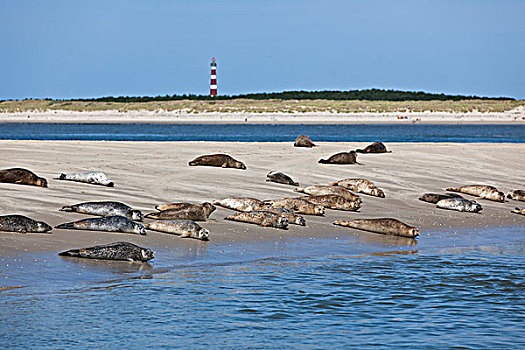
(181, 205)
(90, 177)
(113, 251)
(519, 211)
(482, 191)
(322, 190)
(333, 201)
(376, 147)
(436, 197)
(361, 186)
(218, 160)
(278, 177)
(517, 195)
(241, 203)
(385, 226)
(460, 204)
(188, 212)
(341, 158)
(262, 218)
(112, 223)
(303, 141)
(22, 224)
(292, 217)
(104, 209)
(184, 228)
(22, 176)
(297, 205)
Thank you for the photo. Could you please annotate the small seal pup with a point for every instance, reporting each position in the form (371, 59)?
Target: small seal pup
(22, 176)
(303, 141)
(482, 191)
(218, 160)
(278, 177)
(191, 212)
(206, 205)
(436, 197)
(104, 209)
(341, 158)
(322, 190)
(113, 251)
(385, 226)
(459, 204)
(361, 186)
(22, 224)
(376, 147)
(297, 205)
(90, 177)
(519, 211)
(517, 195)
(262, 218)
(112, 223)
(184, 228)
(292, 217)
(333, 201)
(241, 203)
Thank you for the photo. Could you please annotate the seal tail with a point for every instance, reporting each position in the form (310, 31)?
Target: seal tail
(67, 225)
(111, 184)
(72, 252)
(192, 163)
(323, 161)
(359, 151)
(295, 183)
(516, 210)
(152, 216)
(67, 208)
(452, 189)
(299, 189)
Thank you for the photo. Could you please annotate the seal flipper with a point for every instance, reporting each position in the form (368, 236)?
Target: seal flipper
(66, 225)
(71, 252)
(62, 177)
(68, 208)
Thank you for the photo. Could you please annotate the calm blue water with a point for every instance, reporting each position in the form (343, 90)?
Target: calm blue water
(264, 133)
(463, 289)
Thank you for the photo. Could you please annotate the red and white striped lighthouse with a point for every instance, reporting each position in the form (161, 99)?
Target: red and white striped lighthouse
(213, 84)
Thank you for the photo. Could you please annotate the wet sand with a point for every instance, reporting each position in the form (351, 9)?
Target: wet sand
(150, 173)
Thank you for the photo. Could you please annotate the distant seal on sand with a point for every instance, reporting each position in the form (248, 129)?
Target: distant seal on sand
(275, 176)
(297, 205)
(241, 203)
(90, 177)
(518, 195)
(22, 176)
(303, 141)
(262, 218)
(22, 224)
(218, 160)
(181, 205)
(334, 201)
(191, 212)
(482, 191)
(436, 197)
(322, 190)
(184, 228)
(341, 158)
(376, 147)
(459, 204)
(519, 211)
(361, 186)
(113, 251)
(292, 217)
(385, 226)
(104, 209)
(112, 223)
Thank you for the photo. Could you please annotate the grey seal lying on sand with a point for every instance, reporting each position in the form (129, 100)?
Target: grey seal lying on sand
(113, 223)
(241, 203)
(188, 212)
(113, 251)
(385, 226)
(303, 141)
(262, 218)
(281, 178)
(517, 195)
(322, 190)
(361, 186)
(22, 224)
(297, 205)
(334, 201)
(22, 177)
(218, 160)
(292, 217)
(90, 177)
(184, 228)
(482, 191)
(376, 147)
(459, 204)
(341, 158)
(104, 209)
(436, 197)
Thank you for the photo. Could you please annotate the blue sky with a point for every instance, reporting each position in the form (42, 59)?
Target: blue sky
(67, 49)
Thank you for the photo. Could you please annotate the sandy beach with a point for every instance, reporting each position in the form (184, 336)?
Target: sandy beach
(150, 173)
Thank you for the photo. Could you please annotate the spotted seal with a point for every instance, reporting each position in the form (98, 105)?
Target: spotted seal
(320, 190)
(303, 141)
(376, 147)
(22, 224)
(482, 191)
(292, 217)
(297, 205)
(113, 251)
(193, 212)
(361, 186)
(184, 228)
(436, 197)
(341, 158)
(181, 205)
(218, 160)
(385, 226)
(104, 209)
(459, 204)
(334, 201)
(278, 177)
(241, 203)
(22, 177)
(90, 177)
(518, 211)
(112, 223)
(262, 218)
(517, 195)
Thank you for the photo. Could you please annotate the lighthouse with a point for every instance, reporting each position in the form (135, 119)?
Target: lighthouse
(213, 84)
